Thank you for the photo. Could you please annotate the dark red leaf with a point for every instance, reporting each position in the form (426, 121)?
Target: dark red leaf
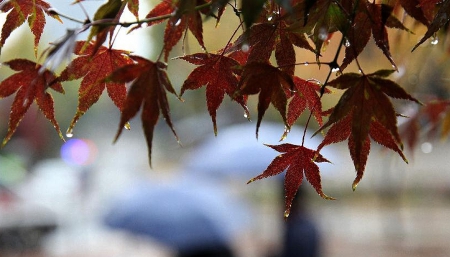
(299, 162)
(217, 73)
(149, 83)
(270, 83)
(364, 110)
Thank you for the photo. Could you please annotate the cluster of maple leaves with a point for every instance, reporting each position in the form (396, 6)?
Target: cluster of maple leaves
(245, 66)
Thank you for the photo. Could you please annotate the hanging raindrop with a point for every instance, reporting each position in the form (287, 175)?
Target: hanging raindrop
(245, 48)
(69, 132)
(435, 41)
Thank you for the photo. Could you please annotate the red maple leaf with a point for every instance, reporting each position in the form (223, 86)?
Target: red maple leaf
(271, 83)
(21, 10)
(218, 74)
(299, 162)
(370, 19)
(306, 95)
(30, 85)
(365, 109)
(185, 17)
(149, 83)
(93, 70)
(133, 7)
(108, 12)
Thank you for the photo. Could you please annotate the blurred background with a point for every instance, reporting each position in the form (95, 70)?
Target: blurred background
(90, 197)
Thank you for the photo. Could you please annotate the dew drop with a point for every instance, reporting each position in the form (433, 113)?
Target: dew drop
(69, 133)
(246, 115)
(270, 18)
(435, 41)
(177, 22)
(306, 63)
(335, 70)
(426, 147)
(347, 43)
(286, 214)
(323, 34)
(245, 48)
(127, 126)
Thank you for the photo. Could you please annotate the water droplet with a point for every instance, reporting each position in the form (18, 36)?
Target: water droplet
(426, 147)
(347, 43)
(127, 126)
(435, 41)
(306, 63)
(286, 214)
(270, 18)
(335, 69)
(69, 133)
(245, 48)
(323, 34)
(177, 22)
(246, 115)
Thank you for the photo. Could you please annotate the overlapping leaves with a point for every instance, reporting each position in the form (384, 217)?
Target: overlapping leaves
(365, 110)
(93, 68)
(149, 84)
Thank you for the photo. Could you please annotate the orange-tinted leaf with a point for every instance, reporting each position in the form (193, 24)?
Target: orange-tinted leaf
(149, 83)
(21, 10)
(30, 85)
(93, 69)
(270, 83)
(218, 75)
(133, 7)
(365, 110)
(299, 162)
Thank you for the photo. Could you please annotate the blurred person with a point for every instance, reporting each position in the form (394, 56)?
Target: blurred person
(301, 235)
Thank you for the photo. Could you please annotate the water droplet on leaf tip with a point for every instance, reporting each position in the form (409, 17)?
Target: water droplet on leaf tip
(435, 41)
(269, 18)
(177, 22)
(347, 43)
(69, 134)
(245, 48)
(127, 126)
(335, 69)
(286, 214)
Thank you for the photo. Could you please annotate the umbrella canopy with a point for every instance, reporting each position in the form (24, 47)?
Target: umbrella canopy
(185, 214)
(236, 152)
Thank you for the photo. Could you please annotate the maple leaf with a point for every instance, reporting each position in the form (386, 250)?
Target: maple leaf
(149, 83)
(442, 17)
(111, 10)
(133, 7)
(218, 74)
(299, 162)
(318, 19)
(371, 19)
(30, 85)
(306, 95)
(93, 69)
(365, 110)
(185, 17)
(427, 120)
(270, 83)
(21, 10)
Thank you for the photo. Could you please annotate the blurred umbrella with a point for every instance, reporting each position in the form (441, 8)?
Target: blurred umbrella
(185, 214)
(236, 152)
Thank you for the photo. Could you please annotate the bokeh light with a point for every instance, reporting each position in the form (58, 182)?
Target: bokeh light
(79, 152)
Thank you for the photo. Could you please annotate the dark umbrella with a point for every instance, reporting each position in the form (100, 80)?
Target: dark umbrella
(185, 214)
